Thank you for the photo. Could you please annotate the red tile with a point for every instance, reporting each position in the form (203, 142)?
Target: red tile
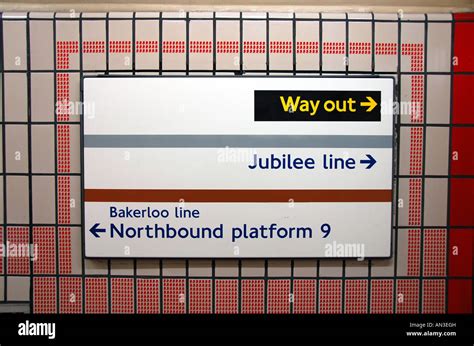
(65, 250)
(122, 296)
(414, 252)
(70, 295)
(463, 94)
(461, 202)
(253, 300)
(434, 252)
(463, 47)
(408, 295)
(96, 295)
(45, 238)
(434, 296)
(356, 296)
(330, 296)
(464, 16)
(44, 295)
(18, 238)
(227, 296)
(381, 297)
(200, 296)
(304, 292)
(460, 252)
(459, 296)
(278, 296)
(462, 151)
(148, 296)
(174, 296)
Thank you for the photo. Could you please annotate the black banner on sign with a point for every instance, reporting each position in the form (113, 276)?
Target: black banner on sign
(308, 105)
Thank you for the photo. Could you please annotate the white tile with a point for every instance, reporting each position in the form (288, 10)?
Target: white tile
(334, 51)
(360, 46)
(200, 45)
(174, 45)
(307, 45)
(439, 47)
(255, 38)
(147, 36)
(386, 45)
(228, 45)
(281, 45)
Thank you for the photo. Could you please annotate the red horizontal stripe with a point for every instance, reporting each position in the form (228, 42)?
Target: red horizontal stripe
(134, 195)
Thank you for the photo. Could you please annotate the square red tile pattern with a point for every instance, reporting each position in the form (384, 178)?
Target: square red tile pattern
(356, 296)
(408, 295)
(227, 296)
(148, 296)
(200, 296)
(18, 238)
(381, 296)
(330, 296)
(96, 295)
(434, 293)
(174, 296)
(70, 295)
(45, 240)
(253, 296)
(434, 252)
(278, 296)
(44, 295)
(65, 249)
(414, 252)
(122, 295)
(304, 296)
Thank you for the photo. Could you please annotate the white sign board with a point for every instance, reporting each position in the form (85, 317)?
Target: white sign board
(237, 167)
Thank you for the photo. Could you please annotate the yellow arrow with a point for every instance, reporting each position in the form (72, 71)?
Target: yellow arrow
(371, 104)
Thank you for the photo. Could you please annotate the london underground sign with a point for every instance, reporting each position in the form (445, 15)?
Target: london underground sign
(237, 167)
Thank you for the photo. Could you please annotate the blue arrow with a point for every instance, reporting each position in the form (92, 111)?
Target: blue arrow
(371, 161)
(95, 230)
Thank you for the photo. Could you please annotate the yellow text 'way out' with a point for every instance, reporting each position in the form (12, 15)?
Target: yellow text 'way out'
(311, 106)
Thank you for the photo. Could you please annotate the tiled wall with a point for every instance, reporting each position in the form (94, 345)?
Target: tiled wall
(44, 57)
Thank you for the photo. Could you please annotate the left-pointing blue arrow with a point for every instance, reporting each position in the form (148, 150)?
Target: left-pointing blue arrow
(95, 230)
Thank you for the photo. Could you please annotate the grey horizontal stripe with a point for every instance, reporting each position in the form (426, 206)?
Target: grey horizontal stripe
(236, 141)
